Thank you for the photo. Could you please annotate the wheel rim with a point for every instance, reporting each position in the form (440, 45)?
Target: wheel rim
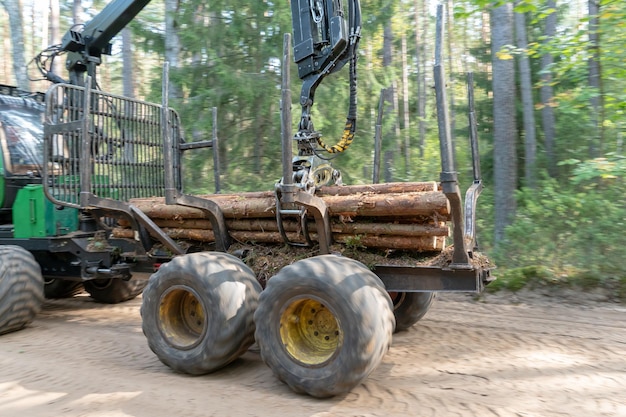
(182, 317)
(310, 332)
(397, 298)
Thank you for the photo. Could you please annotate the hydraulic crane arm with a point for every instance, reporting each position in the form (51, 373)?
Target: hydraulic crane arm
(86, 46)
(325, 38)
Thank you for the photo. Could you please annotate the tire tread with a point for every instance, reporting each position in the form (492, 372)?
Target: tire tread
(21, 288)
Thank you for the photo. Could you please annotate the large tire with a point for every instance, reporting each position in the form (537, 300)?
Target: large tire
(114, 290)
(324, 324)
(21, 288)
(61, 288)
(410, 307)
(198, 311)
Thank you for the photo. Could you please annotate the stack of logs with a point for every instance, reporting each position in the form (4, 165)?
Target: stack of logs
(402, 216)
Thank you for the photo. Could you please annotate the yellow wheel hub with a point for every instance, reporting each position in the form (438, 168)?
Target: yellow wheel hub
(182, 319)
(309, 331)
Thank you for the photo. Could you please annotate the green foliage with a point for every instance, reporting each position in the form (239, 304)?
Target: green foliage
(231, 55)
(540, 277)
(586, 280)
(609, 171)
(517, 278)
(571, 50)
(354, 243)
(571, 229)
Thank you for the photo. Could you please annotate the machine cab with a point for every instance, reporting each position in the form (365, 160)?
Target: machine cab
(21, 142)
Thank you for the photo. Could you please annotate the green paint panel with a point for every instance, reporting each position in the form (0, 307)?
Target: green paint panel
(35, 216)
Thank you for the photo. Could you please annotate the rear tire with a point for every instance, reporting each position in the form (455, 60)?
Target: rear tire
(197, 311)
(61, 288)
(410, 307)
(21, 288)
(324, 324)
(114, 290)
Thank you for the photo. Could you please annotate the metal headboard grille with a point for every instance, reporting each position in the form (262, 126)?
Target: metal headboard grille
(103, 146)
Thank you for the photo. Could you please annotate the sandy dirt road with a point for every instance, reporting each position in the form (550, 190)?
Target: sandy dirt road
(465, 358)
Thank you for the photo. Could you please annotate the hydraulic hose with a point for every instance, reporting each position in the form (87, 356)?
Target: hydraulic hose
(350, 127)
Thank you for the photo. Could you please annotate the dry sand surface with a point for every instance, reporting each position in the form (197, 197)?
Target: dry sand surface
(465, 358)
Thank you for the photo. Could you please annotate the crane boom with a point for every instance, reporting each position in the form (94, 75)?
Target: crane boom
(87, 43)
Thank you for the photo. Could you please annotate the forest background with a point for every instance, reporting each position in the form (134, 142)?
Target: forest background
(550, 91)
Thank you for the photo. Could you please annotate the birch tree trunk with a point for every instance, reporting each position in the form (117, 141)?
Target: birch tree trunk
(16, 23)
(6, 47)
(55, 35)
(128, 79)
(77, 10)
(38, 39)
(172, 41)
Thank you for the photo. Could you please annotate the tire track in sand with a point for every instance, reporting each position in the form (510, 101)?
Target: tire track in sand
(81, 358)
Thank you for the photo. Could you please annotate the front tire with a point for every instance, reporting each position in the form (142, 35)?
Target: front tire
(324, 324)
(21, 288)
(197, 311)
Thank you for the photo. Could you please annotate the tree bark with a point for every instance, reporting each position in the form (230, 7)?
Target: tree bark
(44, 24)
(548, 122)
(595, 79)
(77, 8)
(16, 23)
(55, 35)
(391, 97)
(416, 243)
(422, 244)
(390, 187)
(172, 42)
(451, 111)
(405, 204)
(253, 205)
(128, 78)
(267, 225)
(405, 109)
(387, 45)
(505, 135)
(421, 95)
(530, 140)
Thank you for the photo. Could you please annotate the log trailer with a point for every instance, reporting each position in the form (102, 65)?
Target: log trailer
(318, 274)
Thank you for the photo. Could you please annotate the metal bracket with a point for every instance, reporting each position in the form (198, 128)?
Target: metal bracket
(173, 195)
(212, 209)
(301, 213)
(422, 278)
